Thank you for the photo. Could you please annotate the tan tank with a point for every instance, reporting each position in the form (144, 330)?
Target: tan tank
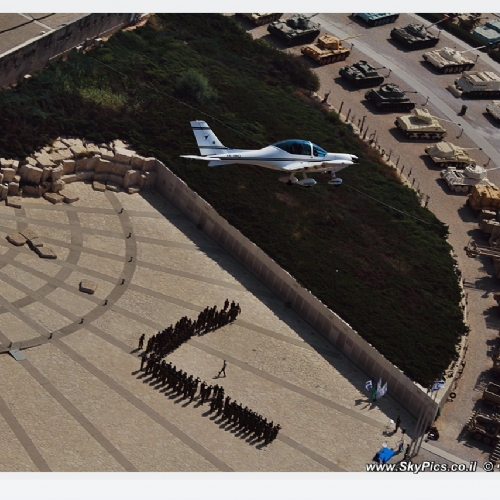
(484, 428)
(420, 125)
(462, 181)
(448, 60)
(493, 108)
(328, 49)
(260, 19)
(449, 155)
(484, 198)
(478, 85)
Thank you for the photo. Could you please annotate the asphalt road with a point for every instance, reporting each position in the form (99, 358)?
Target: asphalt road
(409, 71)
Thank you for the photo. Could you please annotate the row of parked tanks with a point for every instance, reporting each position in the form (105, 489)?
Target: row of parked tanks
(459, 170)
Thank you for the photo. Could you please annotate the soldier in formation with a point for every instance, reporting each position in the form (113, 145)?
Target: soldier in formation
(180, 383)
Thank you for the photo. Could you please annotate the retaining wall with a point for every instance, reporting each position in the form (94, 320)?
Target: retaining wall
(411, 396)
(35, 53)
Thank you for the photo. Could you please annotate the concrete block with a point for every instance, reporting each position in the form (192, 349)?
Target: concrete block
(16, 239)
(13, 189)
(133, 189)
(45, 252)
(87, 286)
(4, 191)
(99, 186)
(68, 166)
(137, 162)
(69, 178)
(1, 177)
(14, 201)
(119, 169)
(103, 166)
(100, 176)
(44, 161)
(113, 186)
(57, 186)
(81, 165)
(84, 176)
(46, 174)
(131, 178)
(79, 149)
(150, 180)
(8, 174)
(31, 161)
(149, 164)
(29, 234)
(29, 173)
(57, 173)
(54, 198)
(123, 155)
(30, 190)
(65, 154)
(115, 178)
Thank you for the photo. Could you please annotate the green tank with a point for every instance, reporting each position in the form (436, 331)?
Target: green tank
(377, 19)
(295, 30)
(361, 75)
(415, 36)
(389, 97)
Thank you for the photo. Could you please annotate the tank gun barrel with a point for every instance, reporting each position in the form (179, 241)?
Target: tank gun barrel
(448, 121)
(311, 16)
(349, 37)
(470, 50)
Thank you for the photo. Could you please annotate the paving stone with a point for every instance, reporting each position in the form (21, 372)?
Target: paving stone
(16, 239)
(69, 195)
(45, 252)
(14, 201)
(54, 198)
(87, 286)
(98, 186)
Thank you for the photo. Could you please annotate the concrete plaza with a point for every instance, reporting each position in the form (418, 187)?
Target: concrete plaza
(78, 403)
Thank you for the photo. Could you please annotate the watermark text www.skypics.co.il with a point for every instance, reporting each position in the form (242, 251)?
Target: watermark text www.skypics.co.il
(425, 466)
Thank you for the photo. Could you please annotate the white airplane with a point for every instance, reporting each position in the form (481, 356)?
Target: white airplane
(291, 156)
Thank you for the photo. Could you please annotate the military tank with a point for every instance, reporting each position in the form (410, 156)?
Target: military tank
(420, 125)
(377, 19)
(415, 36)
(478, 85)
(462, 180)
(361, 75)
(261, 19)
(446, 153)
(448, 60)
(493, 108)
(328, 49)
(295, 30)
(389, 97)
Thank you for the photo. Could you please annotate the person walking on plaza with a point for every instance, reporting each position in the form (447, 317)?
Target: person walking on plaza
(223, 369)
(141, 341)
(398, 423)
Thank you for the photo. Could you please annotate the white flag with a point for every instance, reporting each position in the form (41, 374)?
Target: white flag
(438, 384)
(369, 385)
(381, 389)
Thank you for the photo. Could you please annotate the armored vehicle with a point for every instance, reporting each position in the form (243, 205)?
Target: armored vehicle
(361, 75)
(462, 181)
(389, 97)
(493, 109)
(377, 19)
(484, 428)
(478, 85)
(420, 125)
(496, 358)
(415, 36)
(328, 49)
(484, 198)
(491, 396)
(448, 60)
(449, 155)
(260, 19)
(295, 30)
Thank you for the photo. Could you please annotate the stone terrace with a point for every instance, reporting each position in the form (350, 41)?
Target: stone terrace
(77, 403)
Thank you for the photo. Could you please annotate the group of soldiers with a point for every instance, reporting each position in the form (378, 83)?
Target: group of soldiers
(180, 383)
(243, 418)
(165, 342)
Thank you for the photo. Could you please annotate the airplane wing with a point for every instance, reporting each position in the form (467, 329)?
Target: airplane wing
(306, 166)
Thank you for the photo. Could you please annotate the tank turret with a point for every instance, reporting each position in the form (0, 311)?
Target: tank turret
(448, 60)
(446, 153)
(415, 36)
(295, 30)
(261, 19)
(328, 49)
(421, 125)
(377, 19)
(478, 85)
(389, 97)
(361, 74)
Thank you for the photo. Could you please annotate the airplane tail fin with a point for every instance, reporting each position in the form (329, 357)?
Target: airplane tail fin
(207, 141)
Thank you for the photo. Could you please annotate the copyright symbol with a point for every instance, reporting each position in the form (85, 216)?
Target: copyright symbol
(488, 466)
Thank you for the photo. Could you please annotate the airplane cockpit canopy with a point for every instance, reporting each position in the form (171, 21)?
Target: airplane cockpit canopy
(300, 147)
